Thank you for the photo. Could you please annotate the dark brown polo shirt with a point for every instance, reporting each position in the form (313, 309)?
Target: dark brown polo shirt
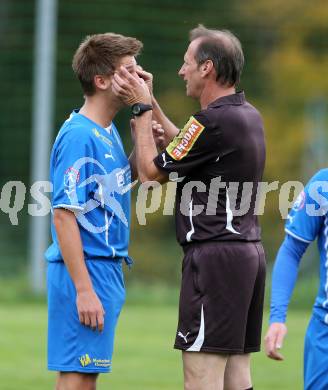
(218, 159)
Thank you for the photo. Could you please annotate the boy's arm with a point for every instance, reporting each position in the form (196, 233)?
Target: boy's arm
(283, 281)
(89, 307)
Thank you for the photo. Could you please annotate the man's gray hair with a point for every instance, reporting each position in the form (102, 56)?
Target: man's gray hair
(224, 49)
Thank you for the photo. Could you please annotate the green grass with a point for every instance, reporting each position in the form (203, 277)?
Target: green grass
(143, 359)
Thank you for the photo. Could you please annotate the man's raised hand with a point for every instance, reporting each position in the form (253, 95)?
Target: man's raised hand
(130, 89)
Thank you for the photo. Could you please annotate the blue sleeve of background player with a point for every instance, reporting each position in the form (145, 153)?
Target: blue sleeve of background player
(302, 227)
(308, 213)
(284, 276)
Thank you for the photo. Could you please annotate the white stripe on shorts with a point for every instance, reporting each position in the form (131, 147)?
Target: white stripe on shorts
(201, 335)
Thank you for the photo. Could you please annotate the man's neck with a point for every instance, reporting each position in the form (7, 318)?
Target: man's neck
(212, 93)
(99, 110)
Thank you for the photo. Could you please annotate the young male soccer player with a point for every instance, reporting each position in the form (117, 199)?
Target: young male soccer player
(222, 289)
(91, 179)
(307, 221)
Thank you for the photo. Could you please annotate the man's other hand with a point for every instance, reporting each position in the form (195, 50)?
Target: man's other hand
(274, 340)
(158, 134)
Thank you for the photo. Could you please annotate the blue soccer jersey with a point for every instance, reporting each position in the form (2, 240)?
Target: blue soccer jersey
(307, 221)
(91, 176)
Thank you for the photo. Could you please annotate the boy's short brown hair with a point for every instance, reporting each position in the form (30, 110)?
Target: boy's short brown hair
(99, 54)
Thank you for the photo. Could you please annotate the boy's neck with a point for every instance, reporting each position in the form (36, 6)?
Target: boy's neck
(99, 110)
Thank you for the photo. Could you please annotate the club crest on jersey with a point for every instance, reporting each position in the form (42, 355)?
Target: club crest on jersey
(299, 202)
(184, 141)
(71, 178)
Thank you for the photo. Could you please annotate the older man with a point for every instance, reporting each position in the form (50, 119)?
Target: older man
(221, 300)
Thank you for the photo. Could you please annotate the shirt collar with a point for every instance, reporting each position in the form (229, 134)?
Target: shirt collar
(235, 99)
(108, 129)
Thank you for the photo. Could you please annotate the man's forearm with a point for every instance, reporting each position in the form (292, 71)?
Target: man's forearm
(71, 248)
(133, 165)
(146, 150)
(170, 129)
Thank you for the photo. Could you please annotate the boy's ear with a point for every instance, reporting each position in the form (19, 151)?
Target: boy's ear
(101, 82)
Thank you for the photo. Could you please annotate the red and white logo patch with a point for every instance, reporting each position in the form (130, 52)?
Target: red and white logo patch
(71, 178)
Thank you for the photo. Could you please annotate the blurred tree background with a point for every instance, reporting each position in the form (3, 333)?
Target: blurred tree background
(286, 50)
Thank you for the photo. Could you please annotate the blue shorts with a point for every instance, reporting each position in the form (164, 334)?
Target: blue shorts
(316, 355)
(71, 345)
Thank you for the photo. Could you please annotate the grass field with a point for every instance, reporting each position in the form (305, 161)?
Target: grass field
(144, 358)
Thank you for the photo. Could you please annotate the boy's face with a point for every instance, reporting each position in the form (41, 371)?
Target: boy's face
(103, 82)
(130, 63)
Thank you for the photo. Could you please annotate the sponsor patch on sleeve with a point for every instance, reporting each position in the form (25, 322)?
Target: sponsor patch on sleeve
(184, 141)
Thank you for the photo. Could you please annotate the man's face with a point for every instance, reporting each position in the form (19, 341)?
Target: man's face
(190, 71)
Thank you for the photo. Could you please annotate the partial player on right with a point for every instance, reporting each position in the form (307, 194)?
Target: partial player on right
(307, 221)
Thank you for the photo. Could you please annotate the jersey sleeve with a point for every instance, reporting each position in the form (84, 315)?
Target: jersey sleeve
(309, 210)
(72, 168)
(193, 146)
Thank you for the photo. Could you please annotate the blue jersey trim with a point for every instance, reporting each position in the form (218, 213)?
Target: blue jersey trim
(68, 206)
(297, 237)
(52, 367)
(325, 233)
